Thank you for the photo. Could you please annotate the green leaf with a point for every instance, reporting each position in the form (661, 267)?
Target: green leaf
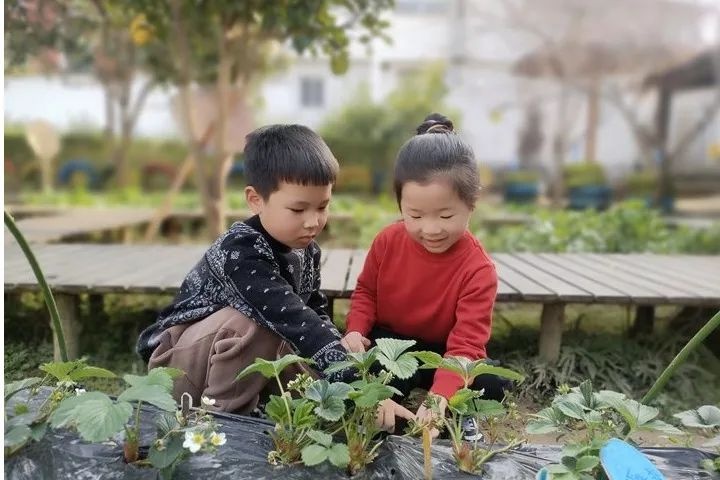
(707, 416)
(94, 414)
(269, 369)
(60, 370)
(540, 427)
(38, 431)
(428, 359)
(165, 423)
(461, 398)
(314, 455)
(14, 387)
(330, 398)
(570, 409)
(160, 376)
(324, 439)
(302, 413)
(403, 367)
(64, 414)
(339, 455)
(586, 463)
(392, 348)
(86, 371)
(276, 410)
(480, 368)
(338, 366)
(152, 394)
(370, 395)
(24, 419)
(102, 419)
(167, 456)
(486, 408)
(586, 390)
(633, 412)
(17, 437)
(660, 426)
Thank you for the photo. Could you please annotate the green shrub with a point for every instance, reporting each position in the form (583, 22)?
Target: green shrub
(626, 227)
(583, 174)
(520, 176)
(642, 183)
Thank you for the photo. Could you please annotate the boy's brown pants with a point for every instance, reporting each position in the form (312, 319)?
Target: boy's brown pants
(213, 351)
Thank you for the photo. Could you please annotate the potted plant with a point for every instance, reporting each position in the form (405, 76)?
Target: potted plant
(587, 186)
(520, 186)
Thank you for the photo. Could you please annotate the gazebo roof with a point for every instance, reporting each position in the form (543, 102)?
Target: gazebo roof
(700, 72)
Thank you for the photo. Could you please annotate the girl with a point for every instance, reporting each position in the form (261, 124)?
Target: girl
(426, 277)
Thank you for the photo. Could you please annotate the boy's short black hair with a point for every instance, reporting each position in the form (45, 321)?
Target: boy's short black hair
(287, 153)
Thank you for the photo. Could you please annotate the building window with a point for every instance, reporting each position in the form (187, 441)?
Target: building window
(311, 92)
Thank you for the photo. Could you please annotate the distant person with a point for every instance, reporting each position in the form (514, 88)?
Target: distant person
(426, 277)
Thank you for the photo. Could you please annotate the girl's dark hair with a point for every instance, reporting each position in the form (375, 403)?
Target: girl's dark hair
(437, 152)
(287, 153)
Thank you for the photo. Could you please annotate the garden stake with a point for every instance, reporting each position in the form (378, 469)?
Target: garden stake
(427, 452)
(47, 294)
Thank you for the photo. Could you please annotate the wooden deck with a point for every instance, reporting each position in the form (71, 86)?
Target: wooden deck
(553, 280)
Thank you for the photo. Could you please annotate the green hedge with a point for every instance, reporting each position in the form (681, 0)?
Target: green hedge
(93, 147)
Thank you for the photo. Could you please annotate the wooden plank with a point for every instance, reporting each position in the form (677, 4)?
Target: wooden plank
(648, 270)
(528, 289)
(641, 289)
(601, 292)
(357, 262)
(506, 293)
(52, 261)
(704, 268)
(654, 263)
(635, 291)
(334, 272)
(564, 291)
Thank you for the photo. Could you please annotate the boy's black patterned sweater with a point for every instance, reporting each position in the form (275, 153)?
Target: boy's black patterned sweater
(277, 287)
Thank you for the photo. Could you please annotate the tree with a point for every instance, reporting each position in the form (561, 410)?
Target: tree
(80, 35)
(590, 49)
(225, 48)
(369, 133)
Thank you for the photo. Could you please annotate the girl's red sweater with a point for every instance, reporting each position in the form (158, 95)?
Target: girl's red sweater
(438, 298)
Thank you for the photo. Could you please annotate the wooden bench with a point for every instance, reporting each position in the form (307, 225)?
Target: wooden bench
(553, 280)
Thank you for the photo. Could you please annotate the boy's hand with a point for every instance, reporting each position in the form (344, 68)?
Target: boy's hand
(427, 415)
(355, 342)
(387, 411)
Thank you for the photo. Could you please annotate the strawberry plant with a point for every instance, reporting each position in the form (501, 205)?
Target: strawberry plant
(592, 418)
(26, 425)
(334, 421)
(466, 402)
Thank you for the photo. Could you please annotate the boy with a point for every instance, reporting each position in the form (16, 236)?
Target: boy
(256, 291)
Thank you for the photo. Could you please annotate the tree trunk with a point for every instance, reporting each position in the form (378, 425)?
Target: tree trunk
(559, 147)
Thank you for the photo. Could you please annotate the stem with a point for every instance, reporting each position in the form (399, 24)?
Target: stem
(492, 453)
(287, 405)
(680, 358)
(47, 294)
(137, 421)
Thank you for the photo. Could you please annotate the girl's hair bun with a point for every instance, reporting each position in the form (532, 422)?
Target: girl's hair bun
(435, 123)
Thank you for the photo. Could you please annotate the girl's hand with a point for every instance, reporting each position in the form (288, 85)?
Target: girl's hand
(355, 342)
(427, 415)
(387, 411)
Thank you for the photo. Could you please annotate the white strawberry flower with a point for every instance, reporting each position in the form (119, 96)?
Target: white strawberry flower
(217, 439)
(207, 401)
(193, 441)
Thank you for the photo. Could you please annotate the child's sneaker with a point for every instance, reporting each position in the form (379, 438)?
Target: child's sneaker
(471, 430)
